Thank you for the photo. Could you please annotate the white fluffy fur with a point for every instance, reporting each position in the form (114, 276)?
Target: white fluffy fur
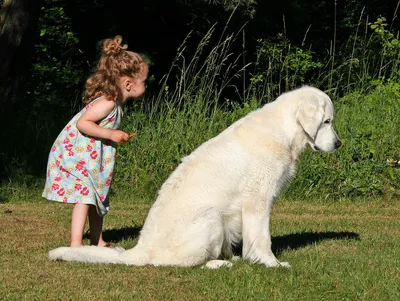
(223, 192)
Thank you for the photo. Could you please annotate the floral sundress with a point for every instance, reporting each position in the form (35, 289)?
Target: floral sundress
(80, 168)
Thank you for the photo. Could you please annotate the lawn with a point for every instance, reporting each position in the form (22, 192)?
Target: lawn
(343, 250)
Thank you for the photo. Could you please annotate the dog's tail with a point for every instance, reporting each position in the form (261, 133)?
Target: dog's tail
(94, 254)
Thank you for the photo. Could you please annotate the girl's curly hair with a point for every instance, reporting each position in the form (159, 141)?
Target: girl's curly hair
(115, 61)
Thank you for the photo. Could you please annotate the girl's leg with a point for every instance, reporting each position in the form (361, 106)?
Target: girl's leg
(96, 228)
(79, 214)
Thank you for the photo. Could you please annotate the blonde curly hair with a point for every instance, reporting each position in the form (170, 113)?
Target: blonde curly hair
(115, 61)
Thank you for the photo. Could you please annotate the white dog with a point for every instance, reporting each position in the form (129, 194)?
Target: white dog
(223, 192)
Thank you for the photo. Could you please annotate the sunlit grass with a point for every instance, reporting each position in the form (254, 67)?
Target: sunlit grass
(346, 250)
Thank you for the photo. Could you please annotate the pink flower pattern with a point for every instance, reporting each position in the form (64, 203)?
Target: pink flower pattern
(75, 161)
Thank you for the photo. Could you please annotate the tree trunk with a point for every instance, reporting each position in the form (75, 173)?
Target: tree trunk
(18, 25)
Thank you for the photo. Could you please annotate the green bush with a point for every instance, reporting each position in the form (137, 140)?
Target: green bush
(172, 123)
(189, 109)
(367, 163)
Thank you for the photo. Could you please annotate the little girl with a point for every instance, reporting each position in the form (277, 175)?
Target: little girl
(81, 161)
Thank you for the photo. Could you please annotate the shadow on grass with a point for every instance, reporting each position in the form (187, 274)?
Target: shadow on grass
(279, 243)
(300, 240)
(116, 235)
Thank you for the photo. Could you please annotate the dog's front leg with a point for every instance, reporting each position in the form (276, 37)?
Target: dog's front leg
(256, 232)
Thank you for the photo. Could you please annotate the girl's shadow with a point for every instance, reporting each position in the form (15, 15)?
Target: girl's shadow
(116, 235)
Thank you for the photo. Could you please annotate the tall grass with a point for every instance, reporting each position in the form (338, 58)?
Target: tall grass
(206, 91)
(369, 56)
(174, 122)
(368, 162)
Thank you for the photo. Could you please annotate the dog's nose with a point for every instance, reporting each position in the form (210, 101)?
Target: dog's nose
(338, 143)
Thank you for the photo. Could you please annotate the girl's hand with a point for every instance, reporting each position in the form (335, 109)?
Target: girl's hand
(119, 136)
(88, 122)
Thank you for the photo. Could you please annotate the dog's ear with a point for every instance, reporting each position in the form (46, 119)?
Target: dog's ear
(310, 115)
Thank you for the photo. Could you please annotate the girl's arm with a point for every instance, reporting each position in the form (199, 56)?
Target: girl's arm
(88, 126)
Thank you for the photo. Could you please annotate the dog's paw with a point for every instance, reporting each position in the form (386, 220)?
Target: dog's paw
(216, 264)
(236, 258)
(285, 265)
(276, 264)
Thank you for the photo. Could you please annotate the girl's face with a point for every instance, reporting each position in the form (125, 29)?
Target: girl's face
(139, 84)
(135, 87)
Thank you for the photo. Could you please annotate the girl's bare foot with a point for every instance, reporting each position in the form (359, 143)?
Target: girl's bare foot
(105, 244)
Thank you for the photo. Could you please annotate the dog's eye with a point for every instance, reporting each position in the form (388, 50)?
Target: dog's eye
(327, 121)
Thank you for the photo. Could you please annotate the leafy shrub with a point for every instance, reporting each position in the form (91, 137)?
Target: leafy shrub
(280, 66)
(366, 165)
(368, 162)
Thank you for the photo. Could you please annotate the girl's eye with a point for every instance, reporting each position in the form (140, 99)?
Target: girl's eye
(327, 121)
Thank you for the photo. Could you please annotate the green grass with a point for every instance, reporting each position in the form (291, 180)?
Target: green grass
(344, 250)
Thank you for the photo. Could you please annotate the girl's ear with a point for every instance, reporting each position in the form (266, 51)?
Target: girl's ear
(127, 84)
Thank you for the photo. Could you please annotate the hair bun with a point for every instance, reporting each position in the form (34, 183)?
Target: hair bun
(113, 46)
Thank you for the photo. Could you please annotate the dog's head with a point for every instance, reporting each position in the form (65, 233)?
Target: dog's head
(315, 116)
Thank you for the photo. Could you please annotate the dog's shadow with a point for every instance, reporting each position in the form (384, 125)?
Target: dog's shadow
(299, 240)
(279, 243)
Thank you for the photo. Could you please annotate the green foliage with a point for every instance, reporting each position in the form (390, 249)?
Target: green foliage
(188, 108)
(367, 163)
(360, 63)
(280, 66)
(59, 68)
(173, 122)
(390, 43)
(162, 141)
(390, 48)
(53, 95)
(366, 59)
